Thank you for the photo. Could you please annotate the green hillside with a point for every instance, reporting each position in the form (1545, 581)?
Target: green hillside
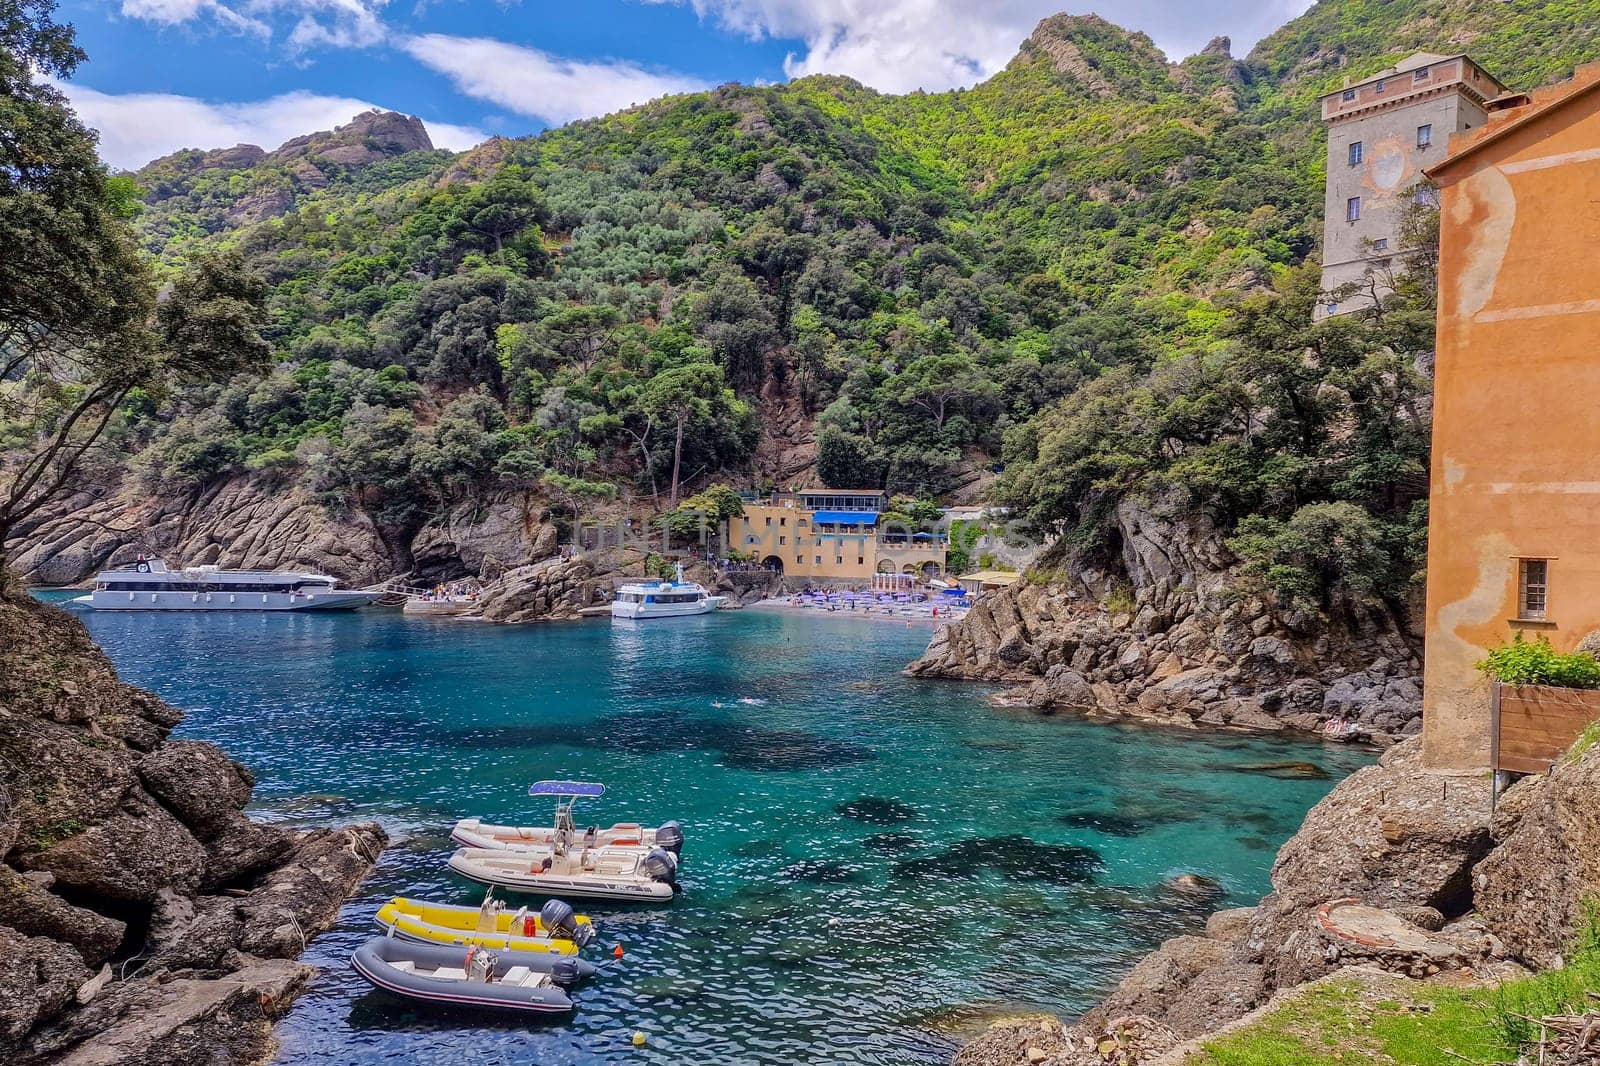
(1086, 273)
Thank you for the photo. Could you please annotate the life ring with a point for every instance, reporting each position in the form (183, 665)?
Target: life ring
(143, 567)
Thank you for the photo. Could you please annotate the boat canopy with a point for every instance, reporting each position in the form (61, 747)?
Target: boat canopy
(590, 789)
(846, 518)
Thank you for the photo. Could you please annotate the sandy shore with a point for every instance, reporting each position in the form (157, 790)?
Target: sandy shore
(910, 614)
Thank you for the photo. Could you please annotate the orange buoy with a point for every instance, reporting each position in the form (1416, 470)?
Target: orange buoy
(617, 952)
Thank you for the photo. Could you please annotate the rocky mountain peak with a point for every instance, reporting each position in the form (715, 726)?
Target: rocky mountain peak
(1105, 59)
(1218, 46)
(370, 136)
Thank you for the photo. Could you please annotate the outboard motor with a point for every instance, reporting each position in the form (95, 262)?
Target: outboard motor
(562, 924)
(564, 972)
(662, 866)
(670, 836)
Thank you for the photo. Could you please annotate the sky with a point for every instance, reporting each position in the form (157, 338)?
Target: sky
(169, 74)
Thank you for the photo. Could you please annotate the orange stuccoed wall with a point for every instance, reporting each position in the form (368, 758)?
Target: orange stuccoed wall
(1516, 429)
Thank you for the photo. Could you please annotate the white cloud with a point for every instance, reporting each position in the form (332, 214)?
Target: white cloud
(138, 127)
(539, 84)
(901, 45)
(334, 23)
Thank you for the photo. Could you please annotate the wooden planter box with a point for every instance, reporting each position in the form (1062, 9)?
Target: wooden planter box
(1532, 725)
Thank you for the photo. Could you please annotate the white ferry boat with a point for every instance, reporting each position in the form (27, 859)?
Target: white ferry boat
(148, 585)
(665, 599)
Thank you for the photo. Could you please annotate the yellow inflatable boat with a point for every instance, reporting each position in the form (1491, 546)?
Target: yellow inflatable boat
(555, 929)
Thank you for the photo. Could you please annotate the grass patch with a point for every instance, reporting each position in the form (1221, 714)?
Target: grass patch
(1392, 1022)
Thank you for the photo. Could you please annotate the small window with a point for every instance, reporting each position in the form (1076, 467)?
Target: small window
(819, 560)
(1381, 244)
(1425, 135)
(1533, 591)
(1349, 94)
(1379, 87)
(1355, 153)
(1422, 74)
(783, 521)
(1352, 209)
(769, 520)
(783, 540)
(838, 560)
(861, 560)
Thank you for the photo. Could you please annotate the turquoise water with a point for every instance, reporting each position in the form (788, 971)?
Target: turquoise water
(870, 860)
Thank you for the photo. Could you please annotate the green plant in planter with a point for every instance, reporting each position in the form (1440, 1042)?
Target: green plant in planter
(1523, 663)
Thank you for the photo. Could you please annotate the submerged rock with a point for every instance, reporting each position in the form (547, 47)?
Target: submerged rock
(876, 810)
(1013, 855)
(1290, 770)
(1110, 824)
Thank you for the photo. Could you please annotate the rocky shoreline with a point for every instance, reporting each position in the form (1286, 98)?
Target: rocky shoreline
(1166, 636)
(143, 917)
(1398, 871)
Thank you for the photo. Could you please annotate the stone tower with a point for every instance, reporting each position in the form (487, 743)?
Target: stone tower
(1381, 132)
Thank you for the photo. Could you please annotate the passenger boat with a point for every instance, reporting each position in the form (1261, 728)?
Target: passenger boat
(619, 874)
(522, 982)
(476, 833)
(555, 930)
(148, 585)
(665, 599)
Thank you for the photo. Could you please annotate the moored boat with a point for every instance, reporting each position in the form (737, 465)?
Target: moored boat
(523, 982)
(476, 833)
(148, 585)
(665, 599)
(619, 874)
(554, 930)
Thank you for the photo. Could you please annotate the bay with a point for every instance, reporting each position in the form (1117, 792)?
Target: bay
(873, 863)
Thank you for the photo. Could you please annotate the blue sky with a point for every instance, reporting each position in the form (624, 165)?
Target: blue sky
(169, 74)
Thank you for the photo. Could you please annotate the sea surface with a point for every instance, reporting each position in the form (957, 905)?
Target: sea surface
(874, 864)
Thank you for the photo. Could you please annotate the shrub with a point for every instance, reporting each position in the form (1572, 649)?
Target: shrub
(1537, 663)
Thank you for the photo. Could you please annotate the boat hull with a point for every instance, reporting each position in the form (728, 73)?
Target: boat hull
(513, 871)
(642, 611)
(342, 600)
(380, 961)
(437, 923)
(473, 833)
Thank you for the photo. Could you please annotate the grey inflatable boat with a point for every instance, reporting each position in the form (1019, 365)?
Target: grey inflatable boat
(517, 981)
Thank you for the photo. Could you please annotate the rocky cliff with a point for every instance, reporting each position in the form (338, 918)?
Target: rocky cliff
(272, 183)
(256, 520)
(1398, 869)
(1163, 632)
(143, 917)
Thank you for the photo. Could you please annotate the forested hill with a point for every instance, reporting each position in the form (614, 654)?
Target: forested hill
(1083, 275)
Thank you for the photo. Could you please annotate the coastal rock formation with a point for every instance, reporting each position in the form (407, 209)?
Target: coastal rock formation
(552, 591)
(256, 521)
(1165, 636)
(1395, 871)
(143, 916)
(1534, 888)
(250, 521)
(1040, 1040)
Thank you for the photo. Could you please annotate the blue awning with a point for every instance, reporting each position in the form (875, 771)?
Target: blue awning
(846, 518)
(566, 788)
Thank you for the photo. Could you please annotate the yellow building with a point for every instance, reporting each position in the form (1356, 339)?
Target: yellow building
(832, 535)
